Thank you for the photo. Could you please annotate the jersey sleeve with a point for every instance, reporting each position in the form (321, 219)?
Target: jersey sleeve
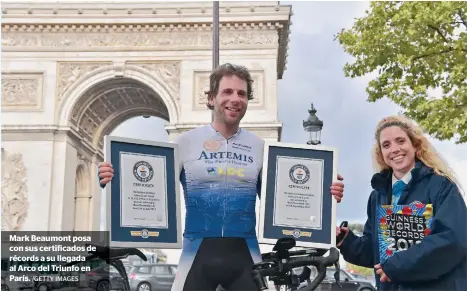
(181, 154)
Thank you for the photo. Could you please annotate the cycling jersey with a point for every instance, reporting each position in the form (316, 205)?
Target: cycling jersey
(220, 178)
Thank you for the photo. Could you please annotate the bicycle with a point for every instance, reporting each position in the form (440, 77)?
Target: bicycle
(279, 264)
(113, 256)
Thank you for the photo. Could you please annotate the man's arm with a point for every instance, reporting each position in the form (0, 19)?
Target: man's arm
(444, 248)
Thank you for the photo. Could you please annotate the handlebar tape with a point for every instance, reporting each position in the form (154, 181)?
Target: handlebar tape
(106, 253)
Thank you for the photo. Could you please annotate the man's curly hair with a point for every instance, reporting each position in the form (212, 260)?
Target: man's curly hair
(228, 70)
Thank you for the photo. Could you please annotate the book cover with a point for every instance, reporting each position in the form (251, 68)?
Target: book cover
(402, 226)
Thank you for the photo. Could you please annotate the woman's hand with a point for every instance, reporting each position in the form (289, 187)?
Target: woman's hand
(339, 230)
(383, 276)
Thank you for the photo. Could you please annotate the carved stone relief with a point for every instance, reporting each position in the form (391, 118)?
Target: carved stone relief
(15, 204)
(83, 161)
(168, 72)
(103, 38)
(22, 91)
(68, 73)
(201, 85)
(20, 40)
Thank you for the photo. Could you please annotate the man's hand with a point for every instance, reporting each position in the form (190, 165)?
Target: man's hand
(383, 276)
(106, 172)
(337, 189)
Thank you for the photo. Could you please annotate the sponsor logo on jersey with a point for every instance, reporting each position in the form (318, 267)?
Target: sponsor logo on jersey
(240, 172)
(241, 147)
(211, 171)
(299, 174)
(212, 145)
(143, 171)
(225, 155)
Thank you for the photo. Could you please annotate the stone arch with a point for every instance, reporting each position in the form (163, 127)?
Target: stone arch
(82, 205)
(139, 75)
(97, 102)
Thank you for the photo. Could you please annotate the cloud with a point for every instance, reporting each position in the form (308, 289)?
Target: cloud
(315, 17)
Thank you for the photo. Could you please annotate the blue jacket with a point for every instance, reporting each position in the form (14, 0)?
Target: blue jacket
(439, 261)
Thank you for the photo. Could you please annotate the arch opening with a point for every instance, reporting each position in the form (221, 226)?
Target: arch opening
(101, 108)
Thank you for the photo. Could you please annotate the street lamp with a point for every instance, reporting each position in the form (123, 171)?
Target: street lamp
(314, 126)
(215, 40)
(215, 34)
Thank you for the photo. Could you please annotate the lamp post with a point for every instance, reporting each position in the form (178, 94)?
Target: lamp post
(215, 34)
(215, 39)
(314, 126)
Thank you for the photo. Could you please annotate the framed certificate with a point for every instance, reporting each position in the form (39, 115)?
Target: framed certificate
(143, 198)
(295, 195)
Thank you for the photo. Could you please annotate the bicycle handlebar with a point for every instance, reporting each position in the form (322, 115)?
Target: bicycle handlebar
(111, 254)
(278, 265)
(308, 252)
(112, 257)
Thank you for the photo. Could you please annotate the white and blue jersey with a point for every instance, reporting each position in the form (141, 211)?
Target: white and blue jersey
(220, 179)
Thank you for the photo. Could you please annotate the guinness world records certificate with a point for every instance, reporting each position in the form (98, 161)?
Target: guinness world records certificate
(143, 197)
(296, 199)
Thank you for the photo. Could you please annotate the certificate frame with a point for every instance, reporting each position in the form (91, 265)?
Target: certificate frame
(140, 236)
(309, 237)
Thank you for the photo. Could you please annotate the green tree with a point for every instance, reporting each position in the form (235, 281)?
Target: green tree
(356, 227)
(419, 52)
(360, 270)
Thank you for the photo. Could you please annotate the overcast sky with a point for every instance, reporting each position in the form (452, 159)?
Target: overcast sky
(314, 74)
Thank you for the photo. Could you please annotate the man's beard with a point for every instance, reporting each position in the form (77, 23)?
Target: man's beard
(222, 116)
(232, 121)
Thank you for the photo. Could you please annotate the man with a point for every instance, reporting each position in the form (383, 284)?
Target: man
(221, 175)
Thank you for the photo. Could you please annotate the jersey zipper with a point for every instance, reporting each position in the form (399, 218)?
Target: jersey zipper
(225, 184)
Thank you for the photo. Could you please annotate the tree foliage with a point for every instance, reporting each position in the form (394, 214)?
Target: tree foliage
(360, 270)
(356, 227)
(419, 52)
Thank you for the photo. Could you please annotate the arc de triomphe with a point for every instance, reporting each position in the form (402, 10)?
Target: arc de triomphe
(72, 72)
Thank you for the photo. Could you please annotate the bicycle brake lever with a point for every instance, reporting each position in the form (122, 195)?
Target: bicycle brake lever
(342, 234)
(337, 276)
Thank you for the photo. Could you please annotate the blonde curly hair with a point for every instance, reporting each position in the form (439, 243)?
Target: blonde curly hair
(424, 150)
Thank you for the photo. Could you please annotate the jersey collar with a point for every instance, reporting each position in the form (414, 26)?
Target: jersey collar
(234, 135)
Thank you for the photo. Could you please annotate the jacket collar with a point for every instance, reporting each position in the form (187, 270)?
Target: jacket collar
(381, 181)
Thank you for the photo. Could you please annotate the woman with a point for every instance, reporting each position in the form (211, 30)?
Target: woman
(415, 235)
